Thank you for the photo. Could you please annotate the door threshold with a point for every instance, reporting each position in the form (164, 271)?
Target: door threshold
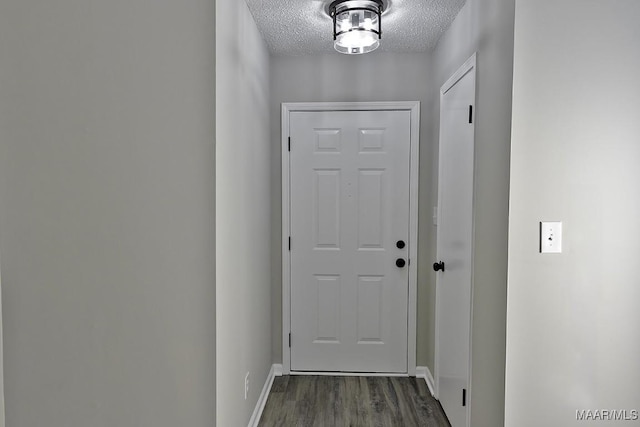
(350, 374)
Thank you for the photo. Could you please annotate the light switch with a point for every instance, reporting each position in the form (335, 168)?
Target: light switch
(550, 237)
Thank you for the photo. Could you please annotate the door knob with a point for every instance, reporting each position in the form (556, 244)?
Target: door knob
(400, 262)
(400, 244)
(438, 266)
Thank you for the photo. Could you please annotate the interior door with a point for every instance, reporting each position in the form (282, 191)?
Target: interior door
(349, 224)
(455, 248)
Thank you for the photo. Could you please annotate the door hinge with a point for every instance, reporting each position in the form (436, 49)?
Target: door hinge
(470, 113)
(289, 145)
(289, 339)
(289, 242)
(464, 391)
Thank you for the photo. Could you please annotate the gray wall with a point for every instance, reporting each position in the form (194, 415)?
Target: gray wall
(486, 27)
(2, 417)
(107, 212)
(573, 320)
(243, 220)
(338, 77)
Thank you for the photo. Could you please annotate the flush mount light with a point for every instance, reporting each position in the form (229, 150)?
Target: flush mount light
(356, 25)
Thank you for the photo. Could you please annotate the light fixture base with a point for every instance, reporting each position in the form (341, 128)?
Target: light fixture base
(386, 4)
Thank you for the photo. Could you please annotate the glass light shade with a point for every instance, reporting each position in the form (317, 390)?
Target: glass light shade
(356, 25)
(356, 42)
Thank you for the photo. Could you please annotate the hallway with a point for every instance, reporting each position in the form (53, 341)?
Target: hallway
(307, 401)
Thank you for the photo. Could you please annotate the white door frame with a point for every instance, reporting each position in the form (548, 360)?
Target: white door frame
(467, 67)
(414, 108)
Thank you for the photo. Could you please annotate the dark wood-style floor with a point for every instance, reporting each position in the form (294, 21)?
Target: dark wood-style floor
(331, 401)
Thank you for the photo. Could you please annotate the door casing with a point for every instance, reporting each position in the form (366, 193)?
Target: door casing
(414, 108)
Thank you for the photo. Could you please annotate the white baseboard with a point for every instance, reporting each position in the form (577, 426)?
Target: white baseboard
(424, 372)
(275, 371)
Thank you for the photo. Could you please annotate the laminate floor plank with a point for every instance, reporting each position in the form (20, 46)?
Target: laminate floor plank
(337, 401)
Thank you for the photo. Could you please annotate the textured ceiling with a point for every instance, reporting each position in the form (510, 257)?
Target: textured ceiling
(302, 27)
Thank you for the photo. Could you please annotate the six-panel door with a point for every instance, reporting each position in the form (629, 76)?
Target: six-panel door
(349, 178)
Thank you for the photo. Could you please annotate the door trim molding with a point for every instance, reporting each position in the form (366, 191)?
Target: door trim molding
(470, 65)
(414, 108)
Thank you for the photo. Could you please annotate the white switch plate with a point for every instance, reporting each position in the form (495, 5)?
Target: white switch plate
(550, 237)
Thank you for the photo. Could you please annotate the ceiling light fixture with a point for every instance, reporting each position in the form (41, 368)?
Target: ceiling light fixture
(356, 25)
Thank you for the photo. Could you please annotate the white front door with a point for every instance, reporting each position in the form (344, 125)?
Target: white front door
(455, 246)
(349, 225)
